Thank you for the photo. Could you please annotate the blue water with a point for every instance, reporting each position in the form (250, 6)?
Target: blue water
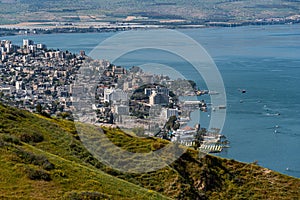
(264, 60)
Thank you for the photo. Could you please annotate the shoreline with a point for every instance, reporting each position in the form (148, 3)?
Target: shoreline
(40, 29)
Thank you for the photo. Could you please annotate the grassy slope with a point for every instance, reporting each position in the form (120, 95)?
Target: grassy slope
(76, 169)
(70, 175)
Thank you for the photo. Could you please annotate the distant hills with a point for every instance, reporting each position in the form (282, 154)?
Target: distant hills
(43, 158)
(182, 11)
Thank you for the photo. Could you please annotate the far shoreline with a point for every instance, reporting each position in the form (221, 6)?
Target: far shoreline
(40, 29)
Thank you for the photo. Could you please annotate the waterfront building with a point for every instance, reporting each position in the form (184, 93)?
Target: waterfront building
(27, 43)
(41, 46)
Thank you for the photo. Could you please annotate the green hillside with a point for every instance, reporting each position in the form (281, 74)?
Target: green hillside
(43, 158)
(96, 10)
(37, 162)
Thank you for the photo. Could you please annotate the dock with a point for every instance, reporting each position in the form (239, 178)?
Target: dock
(210, 148)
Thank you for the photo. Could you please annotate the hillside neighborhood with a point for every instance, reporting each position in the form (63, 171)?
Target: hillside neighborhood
(54, 83)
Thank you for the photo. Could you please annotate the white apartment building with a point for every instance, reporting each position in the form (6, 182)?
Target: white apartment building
(115, 95)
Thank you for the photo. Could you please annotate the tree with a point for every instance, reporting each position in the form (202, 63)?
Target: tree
(200, 134)
(171, 123)
(111, 118)
(193, 84)
(39, 108)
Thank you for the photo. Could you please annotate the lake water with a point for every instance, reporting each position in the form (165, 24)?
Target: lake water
(264, 60)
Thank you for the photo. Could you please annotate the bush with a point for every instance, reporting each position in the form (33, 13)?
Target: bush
(38, 174)
(47, 165)
(11, 139)
(34, 159)
(45, 114)
(59, 173)
(66, 115)
(31, 137)
(157, 146)
(2, 143)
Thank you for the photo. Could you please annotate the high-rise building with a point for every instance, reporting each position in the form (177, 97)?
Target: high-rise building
(157, 98)
(18, 85)
(162, 90)
(148, 91)
(169, 112)
(27, 43)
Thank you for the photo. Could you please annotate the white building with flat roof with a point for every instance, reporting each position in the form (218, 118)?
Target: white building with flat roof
(115, 95)
(169, 112)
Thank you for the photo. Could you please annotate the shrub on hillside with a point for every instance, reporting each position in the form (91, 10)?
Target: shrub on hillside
(31, 137)
(11, 139)
(157, 145)
(38, 174)
(2, 143)
(31, 158)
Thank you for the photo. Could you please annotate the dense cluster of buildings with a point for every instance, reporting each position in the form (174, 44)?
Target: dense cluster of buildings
(32, 75)
(44, 80)
(132, 98)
